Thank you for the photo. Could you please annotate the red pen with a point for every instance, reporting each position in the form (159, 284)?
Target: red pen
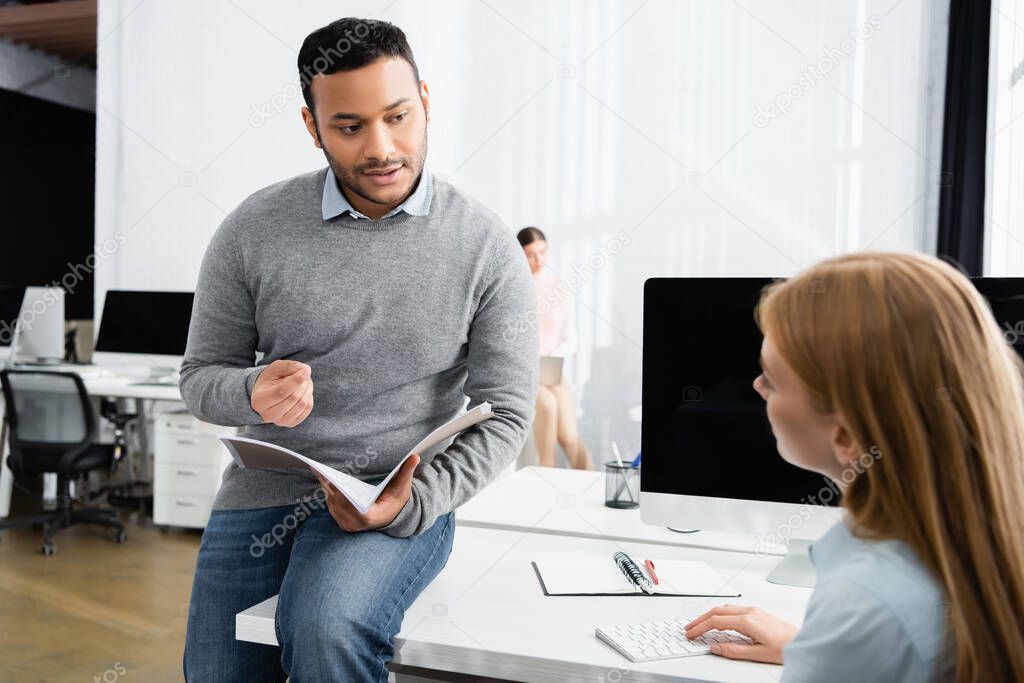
(650, 570)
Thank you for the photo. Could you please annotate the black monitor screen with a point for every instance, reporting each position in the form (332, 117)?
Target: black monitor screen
(145, 322)
(704, 429)
(1006, 298)
(10, 307)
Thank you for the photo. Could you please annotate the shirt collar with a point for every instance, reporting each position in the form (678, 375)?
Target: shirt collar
(416, 204)
(834, 547)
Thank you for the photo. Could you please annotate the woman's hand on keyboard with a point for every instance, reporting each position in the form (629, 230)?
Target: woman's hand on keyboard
(769, 633)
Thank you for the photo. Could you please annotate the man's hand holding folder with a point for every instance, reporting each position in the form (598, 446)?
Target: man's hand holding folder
(356, 505)
(387, 506)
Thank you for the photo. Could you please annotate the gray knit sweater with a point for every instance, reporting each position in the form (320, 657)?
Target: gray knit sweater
(401, 320)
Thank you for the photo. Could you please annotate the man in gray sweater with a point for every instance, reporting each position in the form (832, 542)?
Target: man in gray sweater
(381, 298)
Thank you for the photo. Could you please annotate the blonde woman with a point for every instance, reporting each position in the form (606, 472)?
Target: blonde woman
(554, 421)
(925, 579)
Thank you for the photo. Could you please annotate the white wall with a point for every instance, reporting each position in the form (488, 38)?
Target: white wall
(587, 119)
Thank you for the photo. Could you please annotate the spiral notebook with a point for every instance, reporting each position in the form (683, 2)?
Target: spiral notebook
(604, 575)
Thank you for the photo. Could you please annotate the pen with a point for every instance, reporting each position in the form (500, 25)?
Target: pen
(650, 570)
(624, 486)
(618, 457)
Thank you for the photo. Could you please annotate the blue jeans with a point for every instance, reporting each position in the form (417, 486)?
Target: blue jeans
(342, 595)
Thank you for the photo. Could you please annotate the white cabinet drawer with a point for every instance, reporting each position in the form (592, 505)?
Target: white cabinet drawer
(177, 510)
(188, 449)
(183, 423)
(186, 478)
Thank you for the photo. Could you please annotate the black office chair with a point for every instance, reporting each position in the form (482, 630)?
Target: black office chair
(131, 493)
(52, 428)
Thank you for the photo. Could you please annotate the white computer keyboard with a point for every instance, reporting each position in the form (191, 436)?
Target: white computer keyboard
(662, 640)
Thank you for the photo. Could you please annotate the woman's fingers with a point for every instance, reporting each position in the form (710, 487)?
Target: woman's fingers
(721, 609)
(754, 653)
(722, 622)
(768, 633)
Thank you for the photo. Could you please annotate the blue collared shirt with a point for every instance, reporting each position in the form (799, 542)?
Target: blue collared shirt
(876, 614)
(416, 204)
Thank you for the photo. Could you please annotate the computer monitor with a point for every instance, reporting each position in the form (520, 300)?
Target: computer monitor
(1005, 297)
(39, 337)
(148, 329)
(10, 306)
(709, 458)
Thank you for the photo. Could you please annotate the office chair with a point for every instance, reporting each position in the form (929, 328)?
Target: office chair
(51, 427)
(132, 493)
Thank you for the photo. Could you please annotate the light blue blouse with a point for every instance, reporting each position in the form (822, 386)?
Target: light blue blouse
(876, 614)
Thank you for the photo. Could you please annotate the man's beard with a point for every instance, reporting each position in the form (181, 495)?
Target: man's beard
(347, 177)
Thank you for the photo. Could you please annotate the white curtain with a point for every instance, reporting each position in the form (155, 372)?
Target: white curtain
(646, 138)
(1004, 210)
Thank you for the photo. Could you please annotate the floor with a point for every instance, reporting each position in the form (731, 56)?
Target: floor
(96, 610)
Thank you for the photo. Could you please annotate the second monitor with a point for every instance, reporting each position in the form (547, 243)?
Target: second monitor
(144, 328)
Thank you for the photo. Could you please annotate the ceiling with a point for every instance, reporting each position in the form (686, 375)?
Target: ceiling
(66, 29)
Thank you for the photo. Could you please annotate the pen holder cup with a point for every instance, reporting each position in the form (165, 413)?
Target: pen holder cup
(621, 486)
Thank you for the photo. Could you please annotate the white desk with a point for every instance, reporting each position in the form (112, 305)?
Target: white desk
(485, 614)
(98, 382)
(571, 503)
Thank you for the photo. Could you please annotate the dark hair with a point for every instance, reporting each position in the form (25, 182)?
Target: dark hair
(348, 44)
(530, 235)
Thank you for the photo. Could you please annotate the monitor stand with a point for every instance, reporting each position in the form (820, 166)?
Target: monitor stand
(796, 568)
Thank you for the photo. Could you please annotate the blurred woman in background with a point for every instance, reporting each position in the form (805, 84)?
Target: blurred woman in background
(555, 420)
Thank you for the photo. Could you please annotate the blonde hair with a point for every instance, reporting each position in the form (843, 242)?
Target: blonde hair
(908, 352)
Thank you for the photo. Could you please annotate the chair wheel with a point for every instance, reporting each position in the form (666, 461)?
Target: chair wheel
(122, 536)
(49, 549)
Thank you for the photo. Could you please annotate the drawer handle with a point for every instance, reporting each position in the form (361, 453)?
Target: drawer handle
(184, 504)
(187, 442)
(187, 473)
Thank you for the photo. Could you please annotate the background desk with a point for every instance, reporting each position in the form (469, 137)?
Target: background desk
(571, 503)
(108, 384)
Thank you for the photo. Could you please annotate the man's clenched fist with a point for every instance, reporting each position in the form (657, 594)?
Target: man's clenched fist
(283, 393)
